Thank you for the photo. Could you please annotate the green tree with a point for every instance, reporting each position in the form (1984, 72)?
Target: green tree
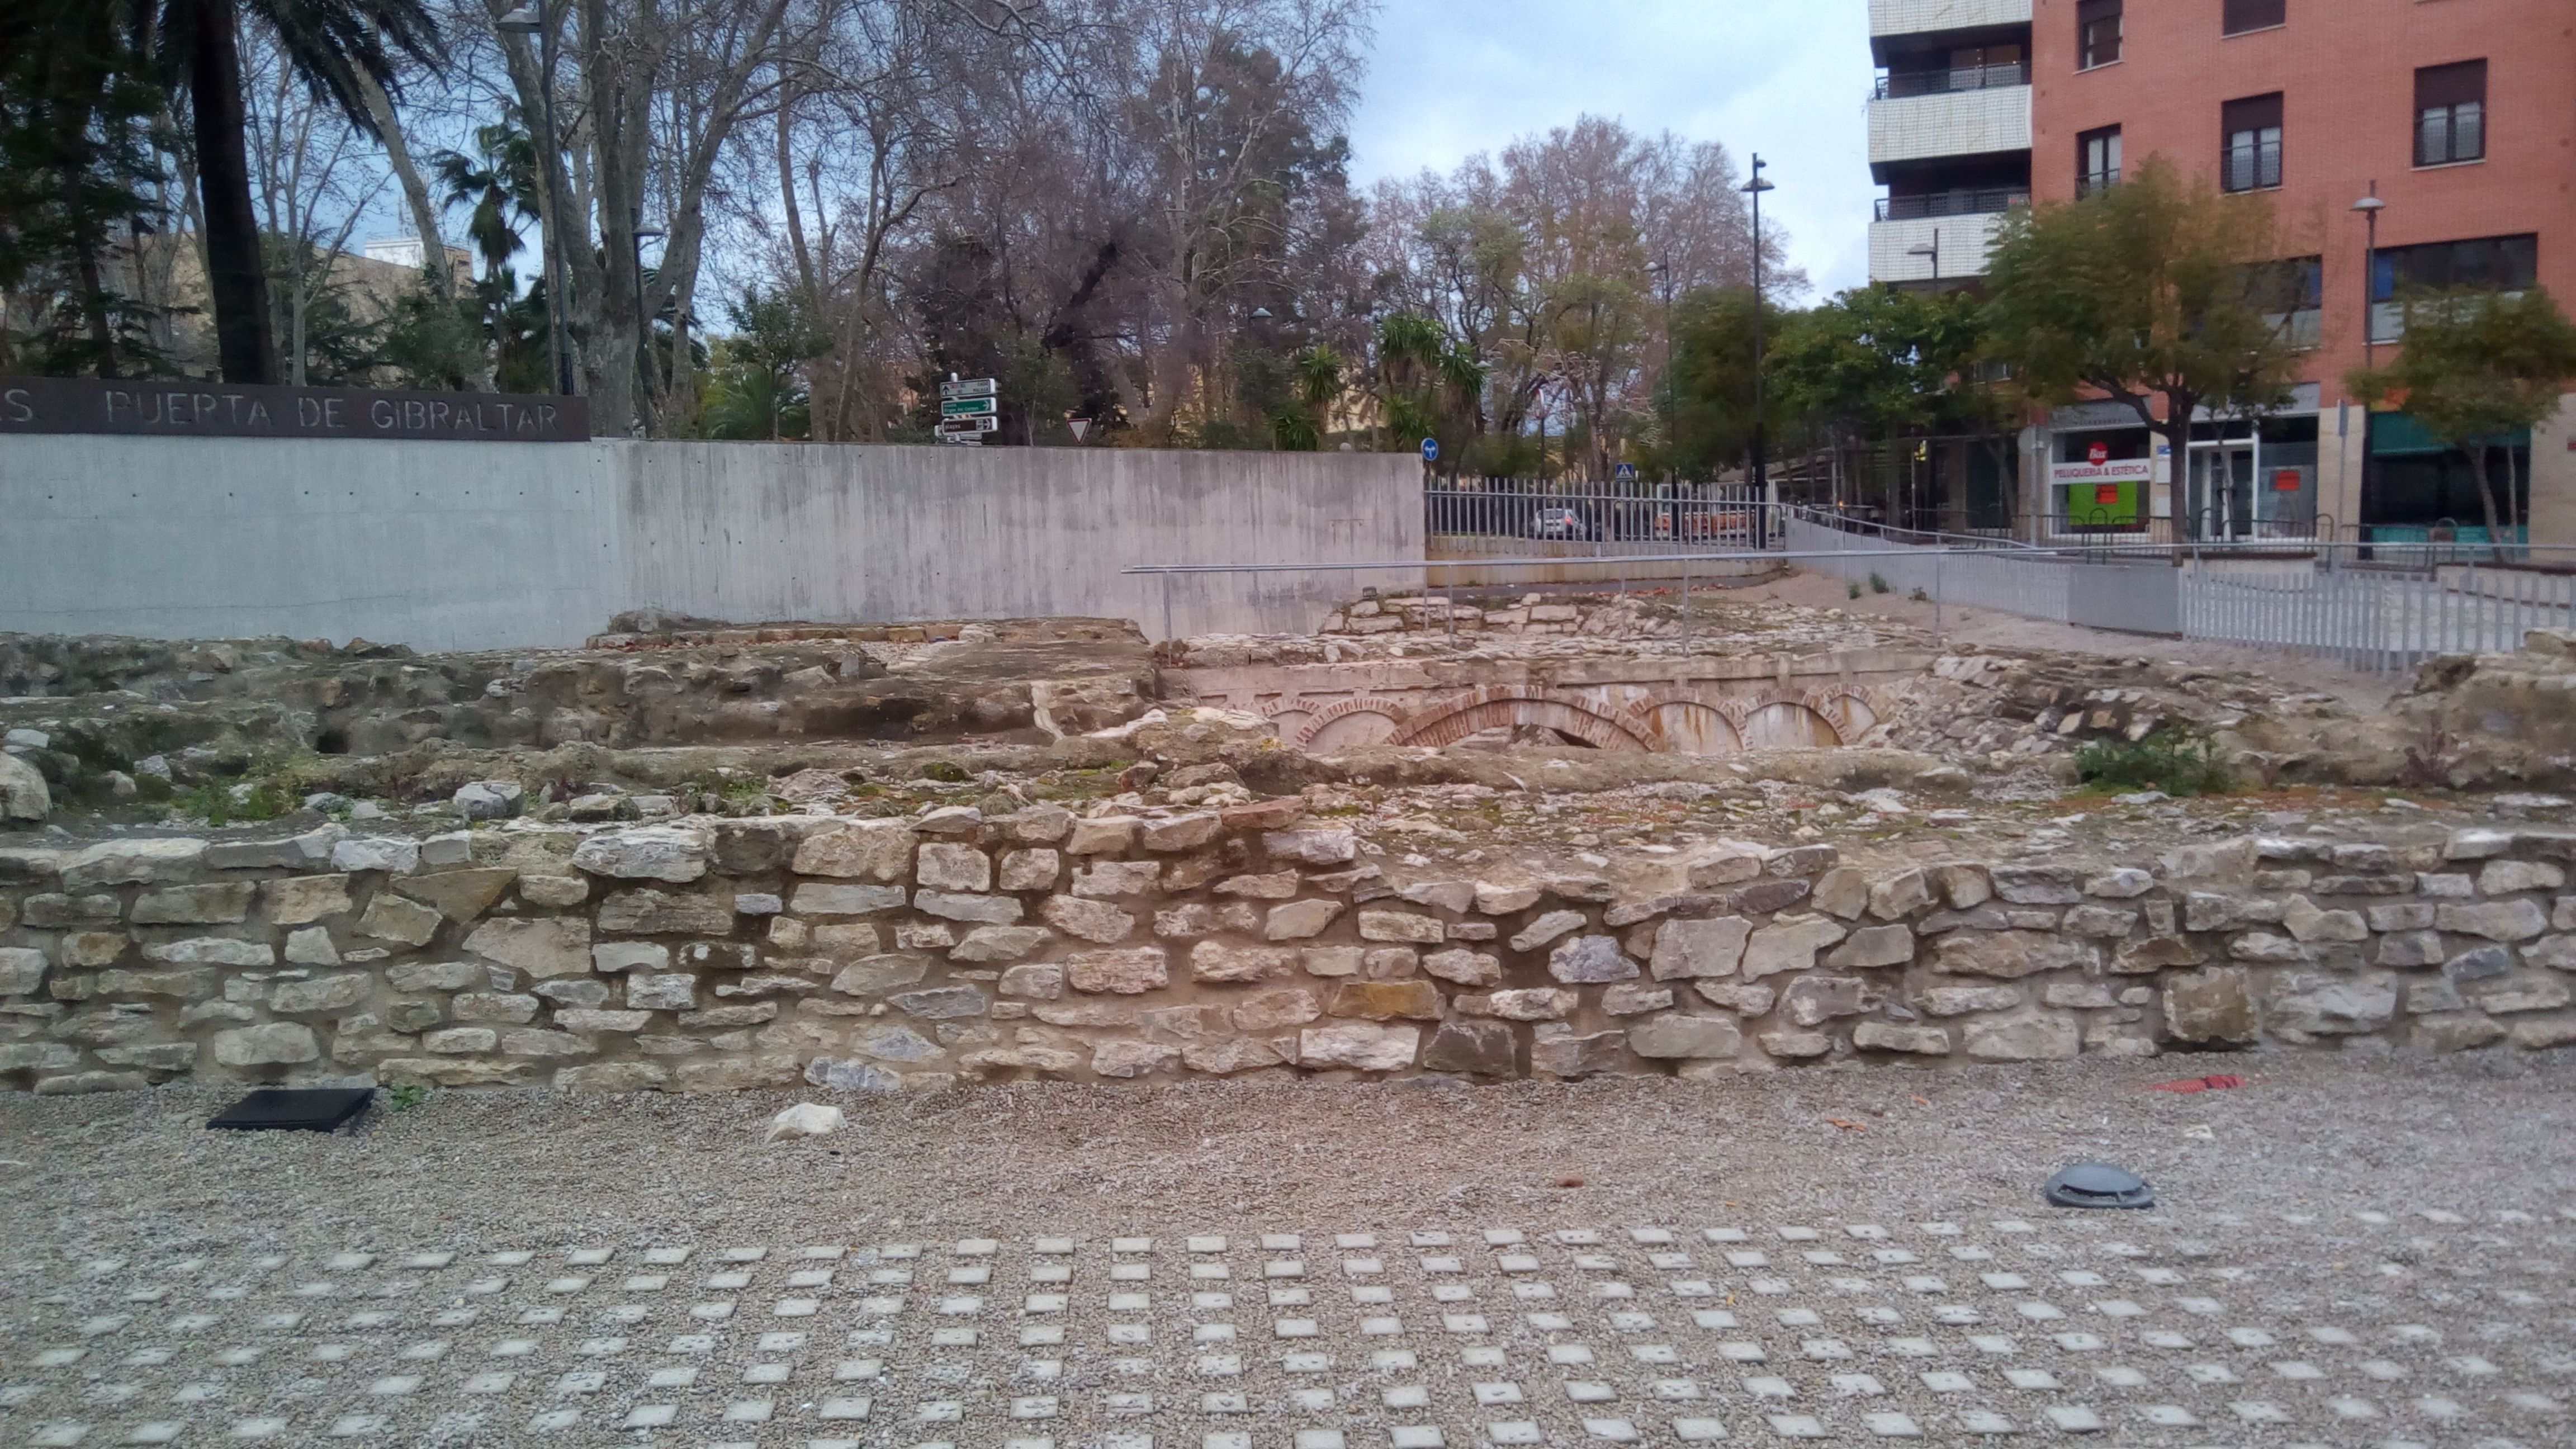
(76, 174)
(1712, 379)
(2477, 367)
(337, 47)
(2152, 293)
(757, 388)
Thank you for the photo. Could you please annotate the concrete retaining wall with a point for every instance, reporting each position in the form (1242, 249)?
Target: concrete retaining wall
(449, 546)
(884, 954)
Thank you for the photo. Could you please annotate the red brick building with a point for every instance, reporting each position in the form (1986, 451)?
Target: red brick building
(2459, 115)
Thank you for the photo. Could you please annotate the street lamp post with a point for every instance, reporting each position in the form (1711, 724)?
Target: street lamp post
(2370, 207)
(643, 323)
(528, 20)
(1933, 251)
(1761, 464)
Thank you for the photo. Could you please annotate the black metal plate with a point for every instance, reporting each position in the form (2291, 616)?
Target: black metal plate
(295, 1109)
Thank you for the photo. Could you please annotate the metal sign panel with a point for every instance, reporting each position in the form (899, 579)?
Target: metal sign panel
(967, 427)
(967, 407)
(971, 387)
(226, 410)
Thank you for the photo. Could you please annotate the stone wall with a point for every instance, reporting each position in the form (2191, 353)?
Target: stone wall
(706, 954)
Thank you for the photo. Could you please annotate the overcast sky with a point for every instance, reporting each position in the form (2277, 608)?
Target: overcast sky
(1787, 78)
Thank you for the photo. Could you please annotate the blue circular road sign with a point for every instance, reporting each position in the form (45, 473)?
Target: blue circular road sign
(1431, 450)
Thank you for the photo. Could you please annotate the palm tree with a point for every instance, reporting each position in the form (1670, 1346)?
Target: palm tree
(499, 182)
(330, 44)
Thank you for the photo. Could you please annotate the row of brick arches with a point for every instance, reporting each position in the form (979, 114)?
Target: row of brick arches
(1816, 719)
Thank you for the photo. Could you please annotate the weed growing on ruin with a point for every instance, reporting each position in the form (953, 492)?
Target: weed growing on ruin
(219, 803)
(2178, 764)
(947, 772)
(1851, 590)
(1878, 584)
(2431, 758)
(1920, 597)
(406, 1096)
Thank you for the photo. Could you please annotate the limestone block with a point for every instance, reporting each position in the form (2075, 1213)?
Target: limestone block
(22, 968)
(1331, 961)
(449, 1072)
(2033, 1038)
(83, 1083)
(2306, 922)
(615, 956)
(2512, 996)
(211, 951)
(2120, 885)
(193, 905)
(546, 947)
(1843, 892)
(1275, 1010)
(949, 867)
(1359, 1047)
(186, 985)
(2557, 953)
(1814, 1000)
(394, 855)
(1039, 824)
(1402, 926)
(1538, 1003)
(1476, 1048)
(2156, 953)
(24, 796)
(1635, 998)
(2541, 1034)
(132, 862)
(817, 899)
(1127, 972)
(433, 975)
(1216, 961)
(678, 854)
(1000, 943)
(1467, 968)
(2301, 1004)
(277, 1043)
(1387, 1000)
(104, 948)
(1095, 921)
(554, 892)
(2444, 887)
(302, 900)
(461, 1041)
(2505, 877)
(985, 910)
(1180, 832)
(1681, 1036)
(1132, 1058)
(673, 992)
(1874, 946)
(391, 918)
(2494, 920)
(1789, 943)
(1591, 959)
(1103, 879)
(1235, 1054)
(1547, 928)
(37, 1056)
(1699, 949)
(1031, 870)
(896, 1044)
(1498, 898)
(875, 975)
(1894, 897)
(1965, 887)
(459, 895)
(50, 911)
(2038, 885)
(2457, 1033)
(1277, 886)
(2485, 963)
(327, 993)
(1034, 982)
(1884, 1036)
(719, 956)
(1453, 896)
(167, 1056)
(2229, 860)
(2401, 916)
(1570, 1056)
(590, 1019)
(294, 852)
(870, 850)
(2477, 844)
(941, 1003)
(504, 1008)
(647, 912)
(1299, 920)
(2099, 923)
(1799, 860)
(2008, 955)
(1311, 847)
(1103, 835)
(611, 1077)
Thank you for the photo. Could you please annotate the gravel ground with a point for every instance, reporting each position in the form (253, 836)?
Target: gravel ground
(2350, 1252)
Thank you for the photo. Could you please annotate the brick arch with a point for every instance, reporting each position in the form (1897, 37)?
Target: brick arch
(1848, 708)
(1764, 715)
(1455, 718)
(1680, 724)
(1321, 716)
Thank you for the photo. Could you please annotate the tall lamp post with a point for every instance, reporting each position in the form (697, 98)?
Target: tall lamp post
(2370, 207)
(643, 323)
(1761, 464)
(523, 21)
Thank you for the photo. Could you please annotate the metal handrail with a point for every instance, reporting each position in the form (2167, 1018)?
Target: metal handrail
(1934, 205)
(1949, 80)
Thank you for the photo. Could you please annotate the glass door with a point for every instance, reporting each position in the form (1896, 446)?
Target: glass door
(2222, 489)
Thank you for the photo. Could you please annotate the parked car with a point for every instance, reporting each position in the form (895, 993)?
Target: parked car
(1562, 523)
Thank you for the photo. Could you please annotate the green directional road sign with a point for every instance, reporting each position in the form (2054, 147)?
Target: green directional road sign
(968, 407)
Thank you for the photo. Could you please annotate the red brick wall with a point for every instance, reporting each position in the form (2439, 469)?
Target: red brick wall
(2346, 69)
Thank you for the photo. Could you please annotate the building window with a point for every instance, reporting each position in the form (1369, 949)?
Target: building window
(2251, 156)
(2451, 113)
(2291, 293)
(2097, 160)
(2097, 33)
(2245, 15)
(2508, 264)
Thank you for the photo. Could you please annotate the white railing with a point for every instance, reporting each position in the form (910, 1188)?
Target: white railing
(1520, 517)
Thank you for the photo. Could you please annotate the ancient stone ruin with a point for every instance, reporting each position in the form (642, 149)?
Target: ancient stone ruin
(697, 857)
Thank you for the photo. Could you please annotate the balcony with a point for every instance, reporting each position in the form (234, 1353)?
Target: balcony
(1952, 203)
(1948, 80)
(1900, 248)
(1922, 17)
(1980, 122)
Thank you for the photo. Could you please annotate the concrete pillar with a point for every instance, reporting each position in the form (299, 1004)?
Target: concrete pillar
(2553, 480)
(2343, 438)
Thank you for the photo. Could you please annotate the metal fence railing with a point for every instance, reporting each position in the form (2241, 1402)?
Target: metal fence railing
(1482, 517)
